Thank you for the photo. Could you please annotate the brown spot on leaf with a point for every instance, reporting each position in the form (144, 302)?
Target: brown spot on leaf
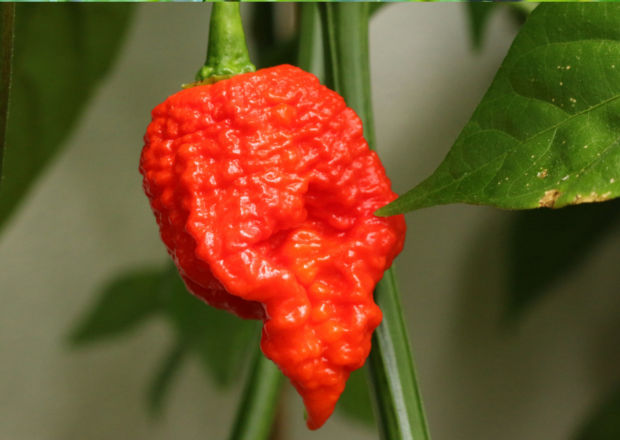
(542, 174)
(548, 200)
(592, 197)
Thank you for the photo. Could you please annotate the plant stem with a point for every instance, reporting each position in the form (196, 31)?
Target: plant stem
(310, 55)
(257, 411)
(397, 400)
(7, 20)
(227, 52)
(345, 39)
(306, 16)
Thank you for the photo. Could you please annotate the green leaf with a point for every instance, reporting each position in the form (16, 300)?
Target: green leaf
(604, 423)
(220, 339)
(547, 131)
(355, 401)
(547, 244)
(60, 54)
(7, 20)
(479, 14)
(126, 302)
(161, 382)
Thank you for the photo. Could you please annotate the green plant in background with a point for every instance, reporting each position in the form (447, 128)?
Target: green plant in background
(546, 134)
(44, 78)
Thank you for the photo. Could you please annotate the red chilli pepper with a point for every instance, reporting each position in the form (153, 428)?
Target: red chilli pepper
(264, 191)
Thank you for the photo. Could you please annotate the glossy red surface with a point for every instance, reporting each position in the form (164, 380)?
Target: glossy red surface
(264, 190)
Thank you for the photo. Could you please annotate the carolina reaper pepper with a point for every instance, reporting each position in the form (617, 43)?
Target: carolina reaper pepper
(264, 191)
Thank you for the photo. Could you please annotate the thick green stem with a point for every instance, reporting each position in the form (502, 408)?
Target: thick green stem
(397, 399)
(257, 411)
(227, 52)
(345, 39)
(310, 56)
(7, 20)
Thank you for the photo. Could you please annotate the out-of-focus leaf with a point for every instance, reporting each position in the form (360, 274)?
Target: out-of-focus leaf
(374, 7)
(60, 54)
(479, 14)
(270, 48)
(126, 302)
(221, 340)
(159, 387)
(547, 131)
(355, 400)
(547, 244)
(7, 20)
(604, 423)
(520, 11)
(262, 27)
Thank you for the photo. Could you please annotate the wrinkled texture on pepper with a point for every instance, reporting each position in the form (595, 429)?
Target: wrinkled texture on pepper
(264, 190)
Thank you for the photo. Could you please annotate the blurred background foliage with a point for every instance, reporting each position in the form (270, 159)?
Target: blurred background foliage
(53, 80)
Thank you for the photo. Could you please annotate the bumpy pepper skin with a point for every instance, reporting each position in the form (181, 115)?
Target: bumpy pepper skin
(264, 190)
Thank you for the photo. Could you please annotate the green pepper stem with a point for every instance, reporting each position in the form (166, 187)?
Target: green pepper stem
(227, 51)
(395, 391)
